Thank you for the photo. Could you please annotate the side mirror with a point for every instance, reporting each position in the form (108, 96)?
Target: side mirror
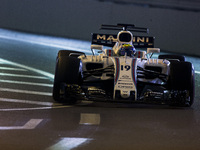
(153, 50)
(99, 47)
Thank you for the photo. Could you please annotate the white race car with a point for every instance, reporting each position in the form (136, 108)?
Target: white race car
(120, 73)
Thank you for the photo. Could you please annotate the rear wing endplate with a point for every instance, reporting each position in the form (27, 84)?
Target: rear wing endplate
(110, 40)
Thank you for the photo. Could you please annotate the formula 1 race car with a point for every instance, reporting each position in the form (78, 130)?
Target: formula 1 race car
(120, 73)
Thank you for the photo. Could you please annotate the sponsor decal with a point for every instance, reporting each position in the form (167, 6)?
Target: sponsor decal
(133, 71)
(125, 76)
(109, 52)
(116, 70)
(111, 39)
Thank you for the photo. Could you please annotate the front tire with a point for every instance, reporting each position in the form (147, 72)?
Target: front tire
(67, 72)
(182, 78)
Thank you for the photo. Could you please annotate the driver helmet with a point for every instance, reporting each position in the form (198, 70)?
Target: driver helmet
(127, 49)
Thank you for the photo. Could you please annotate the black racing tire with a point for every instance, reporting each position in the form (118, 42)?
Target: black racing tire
(179, 57)
(62, 53)
(67, 71)
(182, 78)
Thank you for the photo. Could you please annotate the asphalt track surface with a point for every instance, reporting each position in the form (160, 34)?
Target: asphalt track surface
(30, 119)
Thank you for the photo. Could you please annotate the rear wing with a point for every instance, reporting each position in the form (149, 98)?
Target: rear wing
(110, 40)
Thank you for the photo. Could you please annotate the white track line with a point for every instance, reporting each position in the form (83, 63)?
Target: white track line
(31, 124)
(34, 108)
(69, 143)
(13, 69)
(27, 102)
(198, 72)
(26, 83)
(22, 76)
(49, 75)
(25, 92)
(89, 119)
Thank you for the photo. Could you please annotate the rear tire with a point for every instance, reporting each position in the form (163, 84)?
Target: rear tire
(171, 57)
(62, 53)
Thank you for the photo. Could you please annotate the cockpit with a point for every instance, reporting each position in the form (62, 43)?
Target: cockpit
(124, 45)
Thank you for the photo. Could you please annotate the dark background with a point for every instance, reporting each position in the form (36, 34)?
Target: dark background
(174, 23)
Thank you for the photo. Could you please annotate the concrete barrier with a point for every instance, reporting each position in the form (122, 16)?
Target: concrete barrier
(175, 30)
